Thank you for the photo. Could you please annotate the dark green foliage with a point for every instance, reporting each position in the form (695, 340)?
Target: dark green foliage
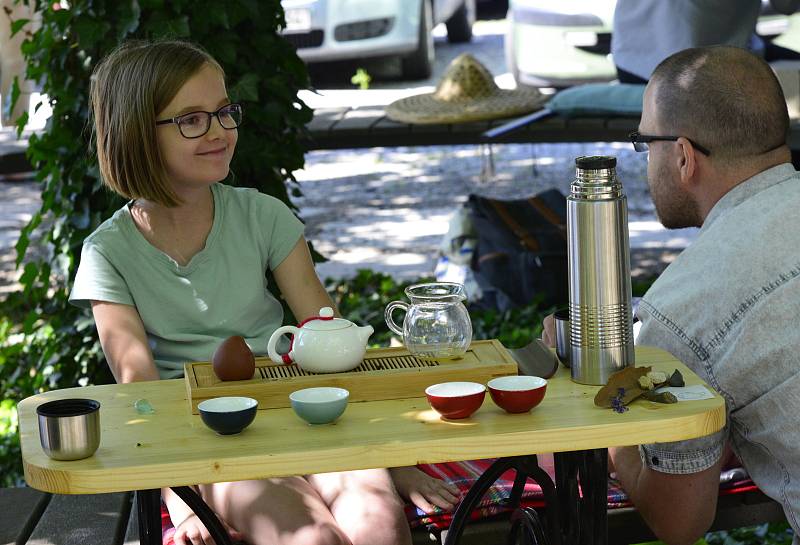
(774, 533)
(364, 298)
(46, 343)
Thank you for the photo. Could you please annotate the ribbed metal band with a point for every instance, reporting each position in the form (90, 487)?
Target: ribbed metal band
(608, 326)
(599, 184)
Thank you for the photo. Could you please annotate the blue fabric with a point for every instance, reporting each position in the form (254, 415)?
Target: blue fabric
(593, 99)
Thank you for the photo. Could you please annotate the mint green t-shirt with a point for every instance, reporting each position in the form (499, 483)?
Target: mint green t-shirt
(189, 310)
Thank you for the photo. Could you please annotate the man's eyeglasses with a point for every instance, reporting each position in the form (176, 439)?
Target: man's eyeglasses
(196, 124)
(640, 142)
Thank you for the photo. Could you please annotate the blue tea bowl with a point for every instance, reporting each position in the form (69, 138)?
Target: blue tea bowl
(320, 405)
(228, 415)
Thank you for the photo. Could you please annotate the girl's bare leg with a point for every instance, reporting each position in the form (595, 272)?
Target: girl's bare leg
(284, 511)
(366, 506)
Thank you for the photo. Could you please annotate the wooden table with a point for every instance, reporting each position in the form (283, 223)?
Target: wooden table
(174, 448)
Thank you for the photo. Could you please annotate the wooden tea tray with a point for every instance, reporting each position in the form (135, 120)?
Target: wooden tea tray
(386, 373)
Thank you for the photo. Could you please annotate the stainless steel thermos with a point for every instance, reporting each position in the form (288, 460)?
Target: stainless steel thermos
(601, 332)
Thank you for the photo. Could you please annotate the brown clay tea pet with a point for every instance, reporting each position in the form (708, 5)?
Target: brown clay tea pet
(233, 360)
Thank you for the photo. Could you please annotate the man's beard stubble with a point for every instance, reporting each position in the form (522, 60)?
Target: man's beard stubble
(675, 208)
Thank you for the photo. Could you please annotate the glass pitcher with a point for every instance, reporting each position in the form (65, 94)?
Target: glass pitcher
(437, 324)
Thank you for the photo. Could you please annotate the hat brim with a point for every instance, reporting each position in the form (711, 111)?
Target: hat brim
(426, 108)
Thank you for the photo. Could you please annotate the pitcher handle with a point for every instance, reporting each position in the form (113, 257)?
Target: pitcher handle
(273, 341)
(387, 315)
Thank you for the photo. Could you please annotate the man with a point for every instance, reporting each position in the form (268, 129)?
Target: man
(647, 31)
(714, 121)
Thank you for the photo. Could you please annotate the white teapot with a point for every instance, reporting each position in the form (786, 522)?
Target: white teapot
(323, 344)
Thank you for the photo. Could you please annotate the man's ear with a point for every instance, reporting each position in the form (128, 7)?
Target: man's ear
(686, 160)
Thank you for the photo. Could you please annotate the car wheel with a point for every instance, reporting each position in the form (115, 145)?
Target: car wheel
(419, 64)
(459, 26)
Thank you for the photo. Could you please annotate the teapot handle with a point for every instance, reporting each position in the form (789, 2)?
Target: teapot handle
(387, 315)
(273, 341)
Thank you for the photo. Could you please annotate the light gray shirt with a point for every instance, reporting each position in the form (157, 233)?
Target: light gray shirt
(648, 31)
(728, 307)
(189, 310)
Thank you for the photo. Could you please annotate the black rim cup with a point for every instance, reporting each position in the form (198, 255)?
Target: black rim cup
(67, 407)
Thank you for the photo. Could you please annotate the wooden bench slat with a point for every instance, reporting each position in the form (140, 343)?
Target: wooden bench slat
(132, 530)
(99, 519)
(20, 509)
(326, 118)
(360, 119)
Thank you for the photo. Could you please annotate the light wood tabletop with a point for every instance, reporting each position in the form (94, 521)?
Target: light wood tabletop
(173, 447)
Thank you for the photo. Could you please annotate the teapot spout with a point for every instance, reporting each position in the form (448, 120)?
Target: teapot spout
(364, 333)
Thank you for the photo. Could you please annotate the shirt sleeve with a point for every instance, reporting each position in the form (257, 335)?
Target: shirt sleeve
(283, 232)
(97, 279)
(684, 457)
(679, 457)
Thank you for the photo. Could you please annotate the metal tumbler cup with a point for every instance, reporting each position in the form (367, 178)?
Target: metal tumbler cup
(601, 332)
(69, 429)
(563, 347)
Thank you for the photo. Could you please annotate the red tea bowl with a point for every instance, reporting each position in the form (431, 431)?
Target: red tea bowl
(517, 394)
(455, 399)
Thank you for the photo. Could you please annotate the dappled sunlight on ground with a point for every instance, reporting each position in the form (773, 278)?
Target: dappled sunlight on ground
(378, 208)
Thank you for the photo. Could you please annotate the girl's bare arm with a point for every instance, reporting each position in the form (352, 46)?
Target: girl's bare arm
(299, 283)
(124, 342)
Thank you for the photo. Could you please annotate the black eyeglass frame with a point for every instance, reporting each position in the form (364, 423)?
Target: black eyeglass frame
(177, 118)
(637, 139)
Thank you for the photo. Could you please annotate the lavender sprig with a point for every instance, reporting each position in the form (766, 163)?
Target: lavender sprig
(616, 402)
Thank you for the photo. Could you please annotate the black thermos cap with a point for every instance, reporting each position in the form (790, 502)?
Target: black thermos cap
(595, 162)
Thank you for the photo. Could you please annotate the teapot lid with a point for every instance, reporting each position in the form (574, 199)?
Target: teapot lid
(325, 321)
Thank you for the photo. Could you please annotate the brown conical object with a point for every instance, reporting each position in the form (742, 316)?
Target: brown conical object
(233, 360)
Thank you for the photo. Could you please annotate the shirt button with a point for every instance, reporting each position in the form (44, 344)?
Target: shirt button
(655, 460)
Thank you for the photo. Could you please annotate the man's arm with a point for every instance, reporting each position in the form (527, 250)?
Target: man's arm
(679, 508)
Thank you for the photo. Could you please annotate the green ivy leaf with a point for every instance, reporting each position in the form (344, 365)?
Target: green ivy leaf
(246, 89)
(129, 18)
(18, 25)
(171, 28)
(90, 32)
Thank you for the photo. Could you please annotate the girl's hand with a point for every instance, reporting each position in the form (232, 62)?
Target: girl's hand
(193, 532)
(424, 491)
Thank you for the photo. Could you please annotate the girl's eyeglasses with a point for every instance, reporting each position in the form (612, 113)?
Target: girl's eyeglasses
(196, 124)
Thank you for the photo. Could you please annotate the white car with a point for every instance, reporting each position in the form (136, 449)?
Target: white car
(557, 43)
(333, 30)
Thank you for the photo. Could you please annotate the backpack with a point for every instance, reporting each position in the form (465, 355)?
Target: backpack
(521, 251)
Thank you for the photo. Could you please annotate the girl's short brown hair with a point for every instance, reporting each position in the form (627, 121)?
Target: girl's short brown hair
(128, 89)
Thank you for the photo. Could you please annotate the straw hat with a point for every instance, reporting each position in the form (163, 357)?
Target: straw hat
(467, 92)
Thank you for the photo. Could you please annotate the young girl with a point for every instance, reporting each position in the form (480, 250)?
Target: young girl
(181, 267)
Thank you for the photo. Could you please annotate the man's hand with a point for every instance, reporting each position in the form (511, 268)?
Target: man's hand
(549, 330)
(193, 532)
(423, 490)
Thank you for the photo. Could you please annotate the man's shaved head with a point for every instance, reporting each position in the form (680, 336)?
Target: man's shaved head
(723, 98)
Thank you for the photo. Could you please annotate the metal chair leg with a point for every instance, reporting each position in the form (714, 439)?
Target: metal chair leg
(526, 521)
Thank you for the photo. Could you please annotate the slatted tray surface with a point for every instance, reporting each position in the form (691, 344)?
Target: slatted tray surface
(386, 373)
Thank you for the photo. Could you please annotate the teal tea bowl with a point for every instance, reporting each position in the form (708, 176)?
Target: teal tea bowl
(320, 405)
(228, 415)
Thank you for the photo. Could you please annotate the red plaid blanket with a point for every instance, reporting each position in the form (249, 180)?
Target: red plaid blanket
(464, 474)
